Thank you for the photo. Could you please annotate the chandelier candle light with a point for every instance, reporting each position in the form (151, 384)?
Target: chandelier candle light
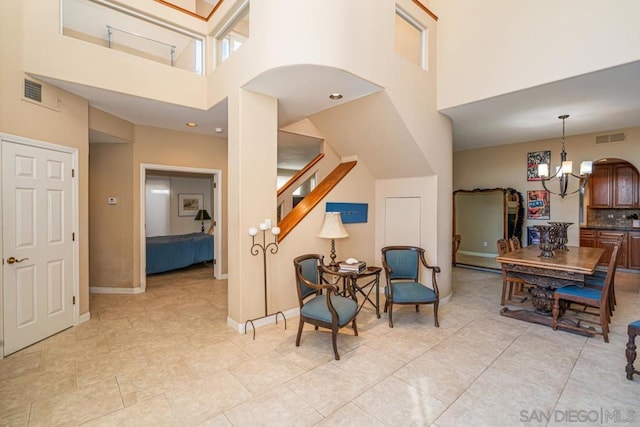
(565, 171)
(256, 249)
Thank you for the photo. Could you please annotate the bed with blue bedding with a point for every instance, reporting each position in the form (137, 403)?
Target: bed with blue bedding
(165, 253)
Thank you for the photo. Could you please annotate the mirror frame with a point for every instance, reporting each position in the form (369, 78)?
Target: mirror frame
(508, 194)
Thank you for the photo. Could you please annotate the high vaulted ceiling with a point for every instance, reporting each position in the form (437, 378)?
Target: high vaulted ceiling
(602, 101)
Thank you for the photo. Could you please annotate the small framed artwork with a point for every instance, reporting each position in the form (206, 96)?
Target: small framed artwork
(189, 203)
(538, 204)
(533, 160)
(533, 236)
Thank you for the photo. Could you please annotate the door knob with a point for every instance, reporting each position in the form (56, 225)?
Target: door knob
(12, 260)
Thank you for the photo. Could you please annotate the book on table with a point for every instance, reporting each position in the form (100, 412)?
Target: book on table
(358, 267)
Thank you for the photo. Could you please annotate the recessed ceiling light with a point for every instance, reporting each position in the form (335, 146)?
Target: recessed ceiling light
(192, 124)
(335, 96)
(219, 130)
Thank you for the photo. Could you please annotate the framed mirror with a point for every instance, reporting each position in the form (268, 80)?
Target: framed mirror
(480, 218)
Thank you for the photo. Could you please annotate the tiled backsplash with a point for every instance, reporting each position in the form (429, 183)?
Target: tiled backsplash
(610, 217)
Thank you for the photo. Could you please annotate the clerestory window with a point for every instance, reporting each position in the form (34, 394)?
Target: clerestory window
(411, 39)
(234, 34)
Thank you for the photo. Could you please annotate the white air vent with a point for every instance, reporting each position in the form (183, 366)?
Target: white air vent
(611, 138)
(41, 94)
(32, 90)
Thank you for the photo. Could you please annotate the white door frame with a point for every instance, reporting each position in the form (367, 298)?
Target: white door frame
(217, 241)
(75, 212)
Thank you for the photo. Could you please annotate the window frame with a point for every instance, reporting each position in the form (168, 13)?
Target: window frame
(226, 31)
(424, 63)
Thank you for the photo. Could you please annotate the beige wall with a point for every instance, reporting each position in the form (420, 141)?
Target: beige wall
(110, 127)
(506, 166)
(482, 54)
(117, 173)
(111, 226)
(67, 127)
(253, 140)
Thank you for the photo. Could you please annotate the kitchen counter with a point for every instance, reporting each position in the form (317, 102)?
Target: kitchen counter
(608, 227)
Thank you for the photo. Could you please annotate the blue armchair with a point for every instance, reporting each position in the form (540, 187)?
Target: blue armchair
(329, 309)
(402, 267)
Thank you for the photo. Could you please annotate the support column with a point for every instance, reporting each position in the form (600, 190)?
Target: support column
(252, 151)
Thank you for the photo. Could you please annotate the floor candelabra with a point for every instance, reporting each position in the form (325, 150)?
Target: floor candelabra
(256, 249)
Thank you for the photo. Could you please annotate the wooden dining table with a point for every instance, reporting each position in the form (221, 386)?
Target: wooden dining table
(566, 268)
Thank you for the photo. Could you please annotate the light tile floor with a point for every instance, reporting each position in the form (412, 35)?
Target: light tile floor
(166, 357)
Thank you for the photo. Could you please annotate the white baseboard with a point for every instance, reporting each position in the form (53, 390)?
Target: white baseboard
(84, 317)
(294, 312)
(111, 290)
(480, 254)
(223, 277)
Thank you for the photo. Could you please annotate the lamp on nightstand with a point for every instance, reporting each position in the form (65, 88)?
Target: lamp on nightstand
(202, 215)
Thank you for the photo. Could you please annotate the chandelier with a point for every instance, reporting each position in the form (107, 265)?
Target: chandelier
(564, 172)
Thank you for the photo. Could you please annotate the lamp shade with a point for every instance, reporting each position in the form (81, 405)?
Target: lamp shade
(543, 169)
(202, 215)
(586, 167)
(332, 227)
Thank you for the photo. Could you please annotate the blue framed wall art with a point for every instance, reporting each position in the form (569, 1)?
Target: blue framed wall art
(350, 213)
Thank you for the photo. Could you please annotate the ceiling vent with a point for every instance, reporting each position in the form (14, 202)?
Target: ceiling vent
(611, 138)
(32, 90)
(39, 94)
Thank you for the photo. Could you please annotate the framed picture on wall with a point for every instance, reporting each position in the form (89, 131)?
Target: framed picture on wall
(189, 203)
(350, 213)
(533, 160)
(538, 204)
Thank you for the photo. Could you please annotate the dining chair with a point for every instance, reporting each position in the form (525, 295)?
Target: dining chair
(320, 302)
(514, 243)
(402, 267)
(597, 280)
(521, 286)
(509, 283)
(588, 296)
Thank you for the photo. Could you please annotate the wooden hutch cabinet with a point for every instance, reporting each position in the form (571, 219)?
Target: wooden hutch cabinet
(600, 186)
(614, 185)
(625, 186)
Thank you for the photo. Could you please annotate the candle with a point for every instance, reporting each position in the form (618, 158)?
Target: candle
(263, 226)
(275, 231)
(253, 231)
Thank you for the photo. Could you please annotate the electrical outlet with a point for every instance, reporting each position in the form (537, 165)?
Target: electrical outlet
(485, 244)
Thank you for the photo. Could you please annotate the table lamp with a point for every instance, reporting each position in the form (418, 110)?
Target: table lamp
(332, 228)
(202, 215)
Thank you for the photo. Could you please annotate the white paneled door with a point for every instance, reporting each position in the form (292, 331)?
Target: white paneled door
(37, 218)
